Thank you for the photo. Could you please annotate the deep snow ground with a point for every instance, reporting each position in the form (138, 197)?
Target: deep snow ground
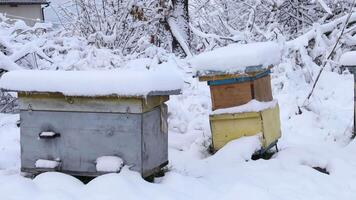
(319, 137)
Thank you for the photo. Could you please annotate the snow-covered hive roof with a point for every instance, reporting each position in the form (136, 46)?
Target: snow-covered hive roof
(348, 59)
(135, 83)
(23, 2)
(236, 58)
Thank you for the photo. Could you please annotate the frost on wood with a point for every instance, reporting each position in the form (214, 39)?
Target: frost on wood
(109, 164)
(94, 83)
(236, 57)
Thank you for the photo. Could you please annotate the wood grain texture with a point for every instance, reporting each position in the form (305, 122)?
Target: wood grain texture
(262, 89)
(230, 95)
(137, 138)
(56, 102)
(228, 127)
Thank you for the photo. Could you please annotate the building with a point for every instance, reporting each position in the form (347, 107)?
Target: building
(30, 11)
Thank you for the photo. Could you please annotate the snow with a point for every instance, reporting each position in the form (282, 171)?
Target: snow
(315, 135)
(94, 83)
(109, 164)
(236, 57)
(319, 137)
(50, 164)
(6, 64)
(176, 32)
(47, 134)
(348, 59)
(252, 106)
(325, 6)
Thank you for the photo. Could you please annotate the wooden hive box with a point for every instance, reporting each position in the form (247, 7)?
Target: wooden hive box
(230, 92)
(71, 132)
(231, 126)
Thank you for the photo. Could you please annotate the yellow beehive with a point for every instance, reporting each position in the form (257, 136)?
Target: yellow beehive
(228, 127)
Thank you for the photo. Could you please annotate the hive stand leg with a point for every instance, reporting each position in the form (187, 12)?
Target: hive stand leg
(29, 175)
(277, 150)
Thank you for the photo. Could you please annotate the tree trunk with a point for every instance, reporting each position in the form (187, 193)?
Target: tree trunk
(181, 15)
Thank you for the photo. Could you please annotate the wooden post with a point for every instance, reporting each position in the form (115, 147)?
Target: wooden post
(352, 70)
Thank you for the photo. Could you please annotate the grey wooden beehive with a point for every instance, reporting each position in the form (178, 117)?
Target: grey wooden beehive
(134, 129)
(72, 119)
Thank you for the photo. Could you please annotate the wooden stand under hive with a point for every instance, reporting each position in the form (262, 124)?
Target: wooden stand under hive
(70, 133)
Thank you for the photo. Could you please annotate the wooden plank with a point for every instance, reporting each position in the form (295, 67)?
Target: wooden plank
(224, 131)
(244, 115)
(151, 102)
(228, 127)
(155, 139)
(230, 95)
(262, 89)
(220, 75)
(84, 138)
(58, 102)
(271, 126)
(87, 136)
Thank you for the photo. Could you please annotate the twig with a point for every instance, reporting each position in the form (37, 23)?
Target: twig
(7, 105)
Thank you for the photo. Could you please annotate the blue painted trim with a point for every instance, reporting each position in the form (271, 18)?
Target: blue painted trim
(230, 81)
(239, 80)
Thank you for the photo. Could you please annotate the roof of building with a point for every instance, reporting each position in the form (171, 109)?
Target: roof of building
(23, 2)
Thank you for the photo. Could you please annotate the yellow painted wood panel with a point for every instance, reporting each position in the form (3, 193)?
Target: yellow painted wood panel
(271, 126)
(228, 127)
(58, 102)
(227, 130)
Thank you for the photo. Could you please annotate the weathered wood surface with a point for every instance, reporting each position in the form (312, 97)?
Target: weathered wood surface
(110, 104)
(263, 89)
(154, 137)
(230, 95)
(221, 75)
(137, 138)
(240, 93)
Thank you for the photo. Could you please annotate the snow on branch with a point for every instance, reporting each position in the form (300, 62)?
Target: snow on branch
(304, 39)
(178, 36)
(6, 64)
(215, 36)
(325, 6)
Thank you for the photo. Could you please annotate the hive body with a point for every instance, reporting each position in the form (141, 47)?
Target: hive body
(230, 92)
(134, 129)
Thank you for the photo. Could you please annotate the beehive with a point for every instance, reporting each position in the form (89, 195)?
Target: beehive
(229, 92)
(68, 129)
(238, 75)
(230, 126)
